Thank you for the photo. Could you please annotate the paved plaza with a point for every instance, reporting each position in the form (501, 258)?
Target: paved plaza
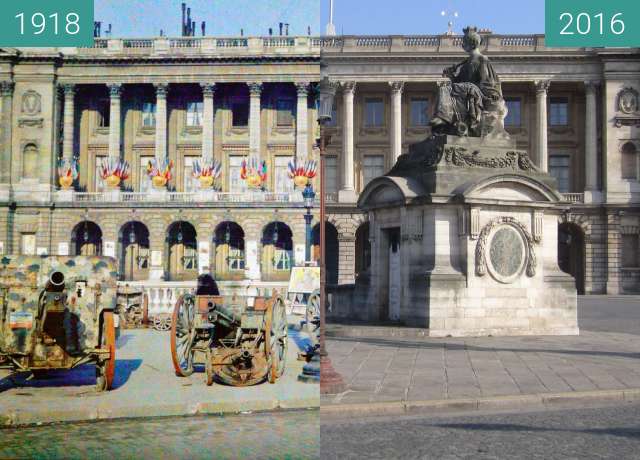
(387, 364)
(146, 385)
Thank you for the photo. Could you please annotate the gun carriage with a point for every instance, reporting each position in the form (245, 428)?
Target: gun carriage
(58, 313)
(241, 340)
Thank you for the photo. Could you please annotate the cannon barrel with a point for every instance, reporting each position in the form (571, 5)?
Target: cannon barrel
(56, 282)
(227, 314)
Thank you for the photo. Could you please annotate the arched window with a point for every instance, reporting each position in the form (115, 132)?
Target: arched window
(629, 161)
(277, 252)
(30, 161)
(134, 254)
(182, 248)
(230, 255)
(86, 239)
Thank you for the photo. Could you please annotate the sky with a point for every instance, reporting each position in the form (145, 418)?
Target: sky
(407, 17)
(145, 18)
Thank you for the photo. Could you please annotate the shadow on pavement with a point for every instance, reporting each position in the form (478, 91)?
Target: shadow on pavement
(622, 432)
(80, 376)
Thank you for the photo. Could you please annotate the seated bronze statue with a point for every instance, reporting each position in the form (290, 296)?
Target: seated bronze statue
(471, 103)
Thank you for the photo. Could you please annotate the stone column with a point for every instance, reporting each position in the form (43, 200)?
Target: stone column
(396, 120)
(541, 123)
(208, 90)
(161, 121)
(302, 121)
(347, 192)
(69, 92)
(115, 92)
(255, 90)
(591, 143)
(6, 93)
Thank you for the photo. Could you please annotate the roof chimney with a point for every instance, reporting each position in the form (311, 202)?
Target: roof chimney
(286, 28)
(204, 28)
(184, 8)
(242, 32)
(270, 31)
(309, 30)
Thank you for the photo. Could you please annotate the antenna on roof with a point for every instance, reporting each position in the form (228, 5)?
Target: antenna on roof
(331, 29)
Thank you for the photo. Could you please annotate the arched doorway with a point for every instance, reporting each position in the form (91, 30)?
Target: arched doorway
(571, 252)
(277, 252)
(332, 253)
(86, 239)
(363, 249)
(315, 244)
(182, 247)
(134, 251)
(229, 252)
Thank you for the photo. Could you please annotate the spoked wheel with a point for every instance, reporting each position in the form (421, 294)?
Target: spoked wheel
(208, 367)
(312, 313)
(106, 370)
(183, 333)
(279, 339)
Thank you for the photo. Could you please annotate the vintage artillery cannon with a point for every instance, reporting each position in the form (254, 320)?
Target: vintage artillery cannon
(242, 339)
(58, 313)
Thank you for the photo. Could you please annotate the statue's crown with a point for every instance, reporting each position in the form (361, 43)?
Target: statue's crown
(469, 30)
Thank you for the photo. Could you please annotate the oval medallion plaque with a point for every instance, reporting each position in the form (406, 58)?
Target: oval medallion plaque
(506, 254)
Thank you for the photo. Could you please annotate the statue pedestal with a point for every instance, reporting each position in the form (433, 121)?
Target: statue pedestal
(464, 242)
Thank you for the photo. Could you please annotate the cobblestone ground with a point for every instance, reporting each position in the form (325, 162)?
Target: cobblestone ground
(287, 435)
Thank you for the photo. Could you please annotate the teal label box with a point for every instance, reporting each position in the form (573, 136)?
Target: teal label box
(46, 23)
(592, 23)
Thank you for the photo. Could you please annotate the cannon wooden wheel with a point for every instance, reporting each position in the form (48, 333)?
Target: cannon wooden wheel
(183, 334)
(106, 370)
(277, 336)
(312, 312)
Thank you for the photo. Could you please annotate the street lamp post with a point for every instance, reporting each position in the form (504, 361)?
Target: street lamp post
(309, 196)
(330, 380)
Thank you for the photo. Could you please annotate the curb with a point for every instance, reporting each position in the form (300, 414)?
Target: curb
(16, 418)
(496, 403)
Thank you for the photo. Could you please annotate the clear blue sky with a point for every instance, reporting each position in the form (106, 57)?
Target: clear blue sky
(145, 18)
(405, 17)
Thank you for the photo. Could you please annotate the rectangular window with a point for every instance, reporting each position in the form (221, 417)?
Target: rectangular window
(145, 181)
(513, 111)
(194, 113)
(284, 109)
(284, 184)
(558, 111)
(240, 112)
(149, 114)
(419, 112)
(282, 260)
(104, 113)
(28, 244)
(630, 251)
(559, 168)
(98, 181)
(374, 112)
(190, 182)
(236, 184)
(331, 174)
(372, 167)
(236, 259)
(190, 258)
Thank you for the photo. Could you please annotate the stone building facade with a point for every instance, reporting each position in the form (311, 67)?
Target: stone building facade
(187, 101)
(575, 110)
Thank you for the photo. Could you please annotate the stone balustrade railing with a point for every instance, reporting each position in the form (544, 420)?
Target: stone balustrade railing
(163, 295)
(427, 43)
(573, 197)
(182, 197)
(202, 45)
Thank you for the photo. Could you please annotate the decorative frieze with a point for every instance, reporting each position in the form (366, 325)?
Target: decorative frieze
(538, 220)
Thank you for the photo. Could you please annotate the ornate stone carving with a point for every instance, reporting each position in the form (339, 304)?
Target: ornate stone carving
(68, 89)
(628, 101)
(31, 103)
(537, 225)
(208, 89)
(542, 86)
(115, 90)
(302, 88)
(255, 88)
(162, 90)
(6, 88)
(348, 86)
(481, 247)
(30, 122)
(516, 160)
(396, 86)
(475, 223)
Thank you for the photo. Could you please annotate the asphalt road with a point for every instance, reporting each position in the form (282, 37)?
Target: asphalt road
(574, 434)
(280, 435)
(609, 314)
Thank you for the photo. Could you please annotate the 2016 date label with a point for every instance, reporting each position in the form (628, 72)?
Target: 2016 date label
(592, 23)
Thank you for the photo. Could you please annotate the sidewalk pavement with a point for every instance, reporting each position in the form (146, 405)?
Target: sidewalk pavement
(400, 370)
(146, 385)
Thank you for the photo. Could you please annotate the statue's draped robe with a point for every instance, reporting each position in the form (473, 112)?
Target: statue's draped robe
(475, 87)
